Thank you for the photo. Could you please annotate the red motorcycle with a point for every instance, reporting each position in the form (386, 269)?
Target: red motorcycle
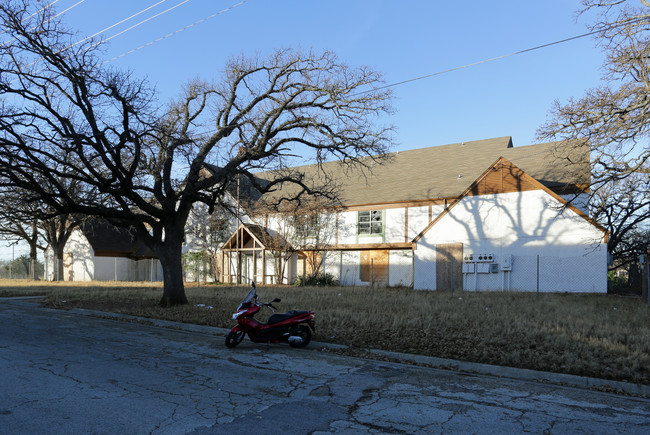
(294, 327)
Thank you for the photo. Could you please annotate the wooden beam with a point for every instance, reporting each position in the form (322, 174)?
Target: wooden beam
(366, 246)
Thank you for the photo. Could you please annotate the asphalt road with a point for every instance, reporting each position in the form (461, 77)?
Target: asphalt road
(62, 372)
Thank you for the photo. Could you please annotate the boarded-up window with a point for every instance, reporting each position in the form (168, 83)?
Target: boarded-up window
(309, 262)
(449, 269)
(374, 266)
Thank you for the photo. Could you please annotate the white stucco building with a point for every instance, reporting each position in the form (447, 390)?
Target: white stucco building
(481, 215)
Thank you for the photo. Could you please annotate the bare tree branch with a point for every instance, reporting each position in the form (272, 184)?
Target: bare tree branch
(65, 119)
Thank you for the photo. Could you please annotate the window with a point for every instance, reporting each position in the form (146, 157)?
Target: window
(370, 222)
(306, 226)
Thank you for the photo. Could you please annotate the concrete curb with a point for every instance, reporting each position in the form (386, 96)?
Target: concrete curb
(522, 374)
(428, 361)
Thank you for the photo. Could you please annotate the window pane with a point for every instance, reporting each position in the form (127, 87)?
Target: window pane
(370, 222)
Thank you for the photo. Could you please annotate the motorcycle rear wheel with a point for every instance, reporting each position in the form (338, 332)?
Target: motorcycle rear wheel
(234, 338)
(304, 333)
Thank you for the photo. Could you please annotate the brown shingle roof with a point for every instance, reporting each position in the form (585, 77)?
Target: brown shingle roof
(446, 171)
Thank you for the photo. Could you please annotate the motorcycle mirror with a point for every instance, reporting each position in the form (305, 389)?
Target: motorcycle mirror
(277, 300)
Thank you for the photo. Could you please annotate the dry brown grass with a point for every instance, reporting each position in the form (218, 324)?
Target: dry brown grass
(603, 336)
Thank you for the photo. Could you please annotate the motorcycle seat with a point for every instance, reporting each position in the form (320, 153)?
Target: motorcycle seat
(277, 318)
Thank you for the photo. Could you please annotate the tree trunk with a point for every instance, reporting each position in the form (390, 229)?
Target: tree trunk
(33, 258)
(170, 256)
(58, 262)
(33, 250)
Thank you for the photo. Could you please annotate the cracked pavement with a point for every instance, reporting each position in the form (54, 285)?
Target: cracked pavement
(67, 373)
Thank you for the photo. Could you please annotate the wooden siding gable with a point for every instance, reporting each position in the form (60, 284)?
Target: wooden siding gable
(502, 177)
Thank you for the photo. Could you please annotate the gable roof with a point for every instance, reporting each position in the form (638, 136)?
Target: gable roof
(502, 177)
(444, 171)
(255, 236)
(110, 241)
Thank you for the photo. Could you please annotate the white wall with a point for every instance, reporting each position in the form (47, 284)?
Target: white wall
(112, 269)
(400, 268)
(573, 255)
(82, 267)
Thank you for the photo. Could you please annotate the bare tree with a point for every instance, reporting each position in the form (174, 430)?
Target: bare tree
(623, 207)
(614, 118)
(19, 223)
(38, 233)
(207, 233)
(313, 232)
(65, 115)
(293, 228)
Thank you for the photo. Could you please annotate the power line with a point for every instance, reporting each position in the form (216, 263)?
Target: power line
(63, 11)
(40, 10)
(47, 21)
(109, 27)
(148, 19)
(117, 24)
(177, 31)
(538, 47)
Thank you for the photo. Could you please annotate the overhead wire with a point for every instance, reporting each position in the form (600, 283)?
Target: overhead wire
(111, 26)
(65, 10)
(117, 24)
(41, 10)
(177, 31)
(148, 19)
(538, 47)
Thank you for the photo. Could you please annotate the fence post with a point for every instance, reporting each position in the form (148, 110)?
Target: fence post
(372, 275)
(537, 275)
(450, 268)
(645, 276)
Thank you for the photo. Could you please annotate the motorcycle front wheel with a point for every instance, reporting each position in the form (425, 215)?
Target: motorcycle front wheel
(304, 333)
(234, 338)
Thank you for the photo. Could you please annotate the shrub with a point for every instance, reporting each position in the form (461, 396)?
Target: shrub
(318, 279)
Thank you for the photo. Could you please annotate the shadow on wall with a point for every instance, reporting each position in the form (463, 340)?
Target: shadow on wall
(535, 242)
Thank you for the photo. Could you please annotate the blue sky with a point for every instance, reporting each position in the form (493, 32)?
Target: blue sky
(401, 39)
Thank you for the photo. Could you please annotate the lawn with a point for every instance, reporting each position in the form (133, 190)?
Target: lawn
(604, 336)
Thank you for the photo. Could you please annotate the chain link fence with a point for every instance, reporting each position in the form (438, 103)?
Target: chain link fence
(520, 273)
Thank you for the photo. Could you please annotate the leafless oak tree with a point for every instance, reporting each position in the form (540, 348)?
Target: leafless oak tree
(18, 225)
(65, 115)
(615, 118)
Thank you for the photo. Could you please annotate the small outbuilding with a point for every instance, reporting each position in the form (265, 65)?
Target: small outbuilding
(99, 251)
